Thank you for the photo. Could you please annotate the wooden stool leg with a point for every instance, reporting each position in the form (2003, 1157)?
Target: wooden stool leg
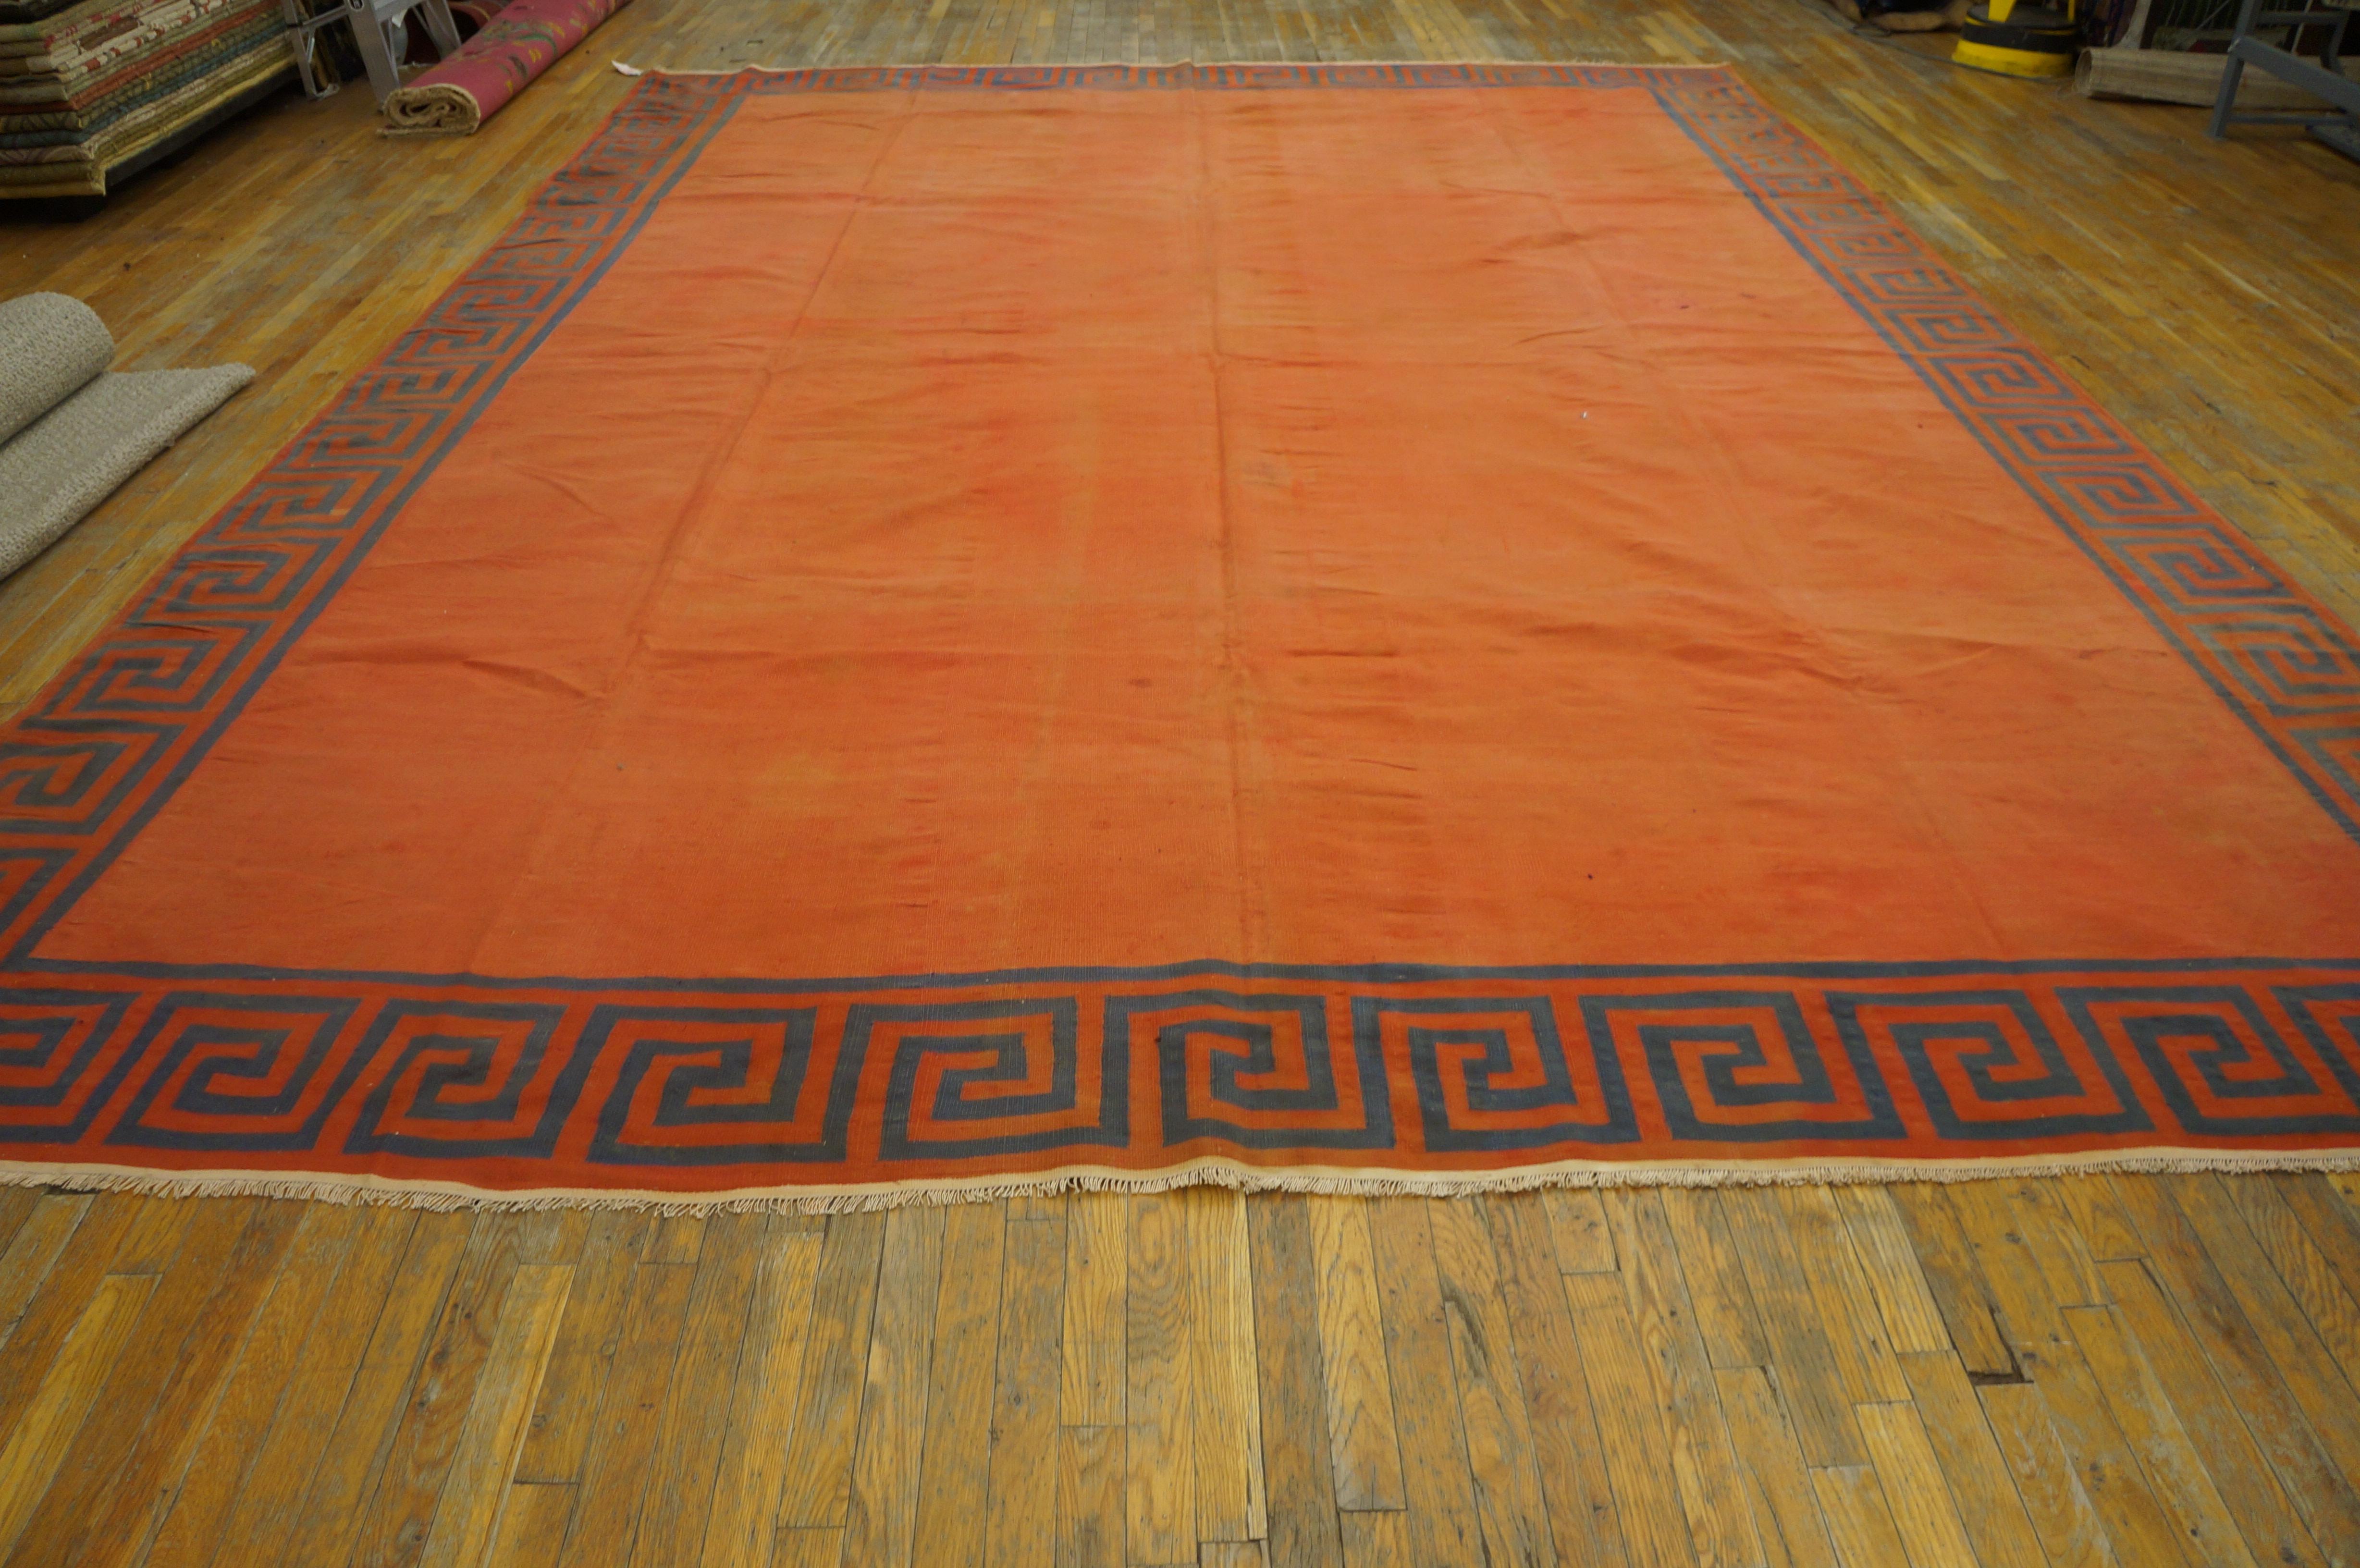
(377, 53)
(439, 27)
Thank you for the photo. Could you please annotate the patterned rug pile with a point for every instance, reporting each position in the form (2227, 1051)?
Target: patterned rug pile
(937, 631)
(87, 87)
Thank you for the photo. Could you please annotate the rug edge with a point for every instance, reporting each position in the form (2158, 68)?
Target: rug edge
(452, 1197)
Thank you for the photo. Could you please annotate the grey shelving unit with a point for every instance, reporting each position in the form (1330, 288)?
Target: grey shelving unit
(2339, 127)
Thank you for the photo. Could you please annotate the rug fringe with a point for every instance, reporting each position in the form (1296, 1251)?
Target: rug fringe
(624, 69)
(447, 1199)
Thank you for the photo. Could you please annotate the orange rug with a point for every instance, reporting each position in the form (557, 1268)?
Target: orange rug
(921, 630)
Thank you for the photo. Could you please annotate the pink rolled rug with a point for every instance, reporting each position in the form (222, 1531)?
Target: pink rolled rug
(519, 41)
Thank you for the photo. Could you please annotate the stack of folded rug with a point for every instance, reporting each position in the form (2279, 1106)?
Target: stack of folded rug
(94, 88)
(71, 430)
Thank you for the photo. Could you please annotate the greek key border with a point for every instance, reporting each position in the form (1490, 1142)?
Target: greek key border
(136, 1046)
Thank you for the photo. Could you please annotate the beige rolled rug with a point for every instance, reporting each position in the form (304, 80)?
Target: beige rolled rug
(71, 430)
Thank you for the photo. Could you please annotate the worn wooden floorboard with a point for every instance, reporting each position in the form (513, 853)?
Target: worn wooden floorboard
(2068, 1371)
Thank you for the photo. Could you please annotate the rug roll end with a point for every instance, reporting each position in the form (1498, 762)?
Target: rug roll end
(433, 109)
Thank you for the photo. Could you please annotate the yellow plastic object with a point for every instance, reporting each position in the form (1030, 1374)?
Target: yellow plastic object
(2011, 61)
(2042, 41)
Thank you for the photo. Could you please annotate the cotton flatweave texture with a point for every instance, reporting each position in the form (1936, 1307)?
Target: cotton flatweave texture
(929, 631)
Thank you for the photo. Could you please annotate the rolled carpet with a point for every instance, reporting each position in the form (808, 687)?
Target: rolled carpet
(70, 429)
(52, 347)
(522, 41)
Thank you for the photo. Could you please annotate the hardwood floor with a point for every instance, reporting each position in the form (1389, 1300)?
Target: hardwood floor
(2126, 1370)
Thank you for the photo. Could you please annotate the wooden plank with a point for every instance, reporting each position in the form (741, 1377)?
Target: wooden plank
(1490, 1392)
(2144, 1414)
(1376, 1540)
(676, 1239)
(2265, 1516)
(1577, 1227)
(1841, 1292)
(630, 1424)
(2062, 1515)
(1020, 1526)
(686, 1464)
(37, 1445)
(1703, 1464)
(808, 1549)
(1785, 1503)
(1806, 1363)
(1953, 1278)
(1566, 1449)
(882, 1503)
(2012, 1272)
(1363, 1451)
(1096, 1275)
(392, 1530)
(1913, 1323)
(59, 1301)
(1924, 1512)
(2050, 1232)
(2106, 1234)
(1234, 1554)
(1718, 1294)
(587, 1340)
(99, 1509)
(1159, 1470)
(1853, 1503)
(214, 1466)
(2109, 1472)
(32, 1251)
(125, 1234)
(2327, 1219)
(743, 1520)
(484, 1463)
(1293, 1394)
(954, 1477)
(1631, 1432)
(1230, 1487)
(1971, 1460)
(534, 1518)
(2309, 1274)
(17, 1206)
(844, 1300)
(329, 1373)
(2328, 1399)
(2253, 1383)
(1089, 1496)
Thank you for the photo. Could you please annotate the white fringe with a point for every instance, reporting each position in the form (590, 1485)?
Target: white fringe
(444, 1198)
(621, 69)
